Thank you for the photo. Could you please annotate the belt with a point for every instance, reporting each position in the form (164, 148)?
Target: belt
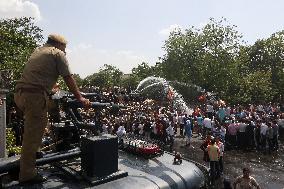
(30, 90)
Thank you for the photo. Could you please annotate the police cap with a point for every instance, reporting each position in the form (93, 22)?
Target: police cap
(57, 38)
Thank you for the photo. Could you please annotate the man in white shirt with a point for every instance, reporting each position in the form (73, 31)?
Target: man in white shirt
(171, 133)
(181, 123)
(263, 131)
(120, 131)
(207, 123)
(175, 122)
(260, 108)
(209, 110)
(241, 135)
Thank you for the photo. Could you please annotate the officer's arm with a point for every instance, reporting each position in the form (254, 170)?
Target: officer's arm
(71, 83)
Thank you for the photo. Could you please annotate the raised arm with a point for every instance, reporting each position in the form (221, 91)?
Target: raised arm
(71, 83)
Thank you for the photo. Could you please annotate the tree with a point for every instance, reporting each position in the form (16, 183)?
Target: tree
(78, 80)
(268, 55)
(129, 81)
(256, 88)
(174, 62)
(205, 57)
(108, 76)
(142, 71)
(221, 44)
(18, 38)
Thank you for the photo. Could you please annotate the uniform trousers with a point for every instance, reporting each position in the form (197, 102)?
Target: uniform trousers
(34, 107)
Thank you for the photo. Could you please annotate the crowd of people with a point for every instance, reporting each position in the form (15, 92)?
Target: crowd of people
(245, 128)
(239, 127)
(221, 127)
(147, 118)
(253, 127)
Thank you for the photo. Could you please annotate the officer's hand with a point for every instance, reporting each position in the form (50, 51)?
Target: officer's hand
(85, 102)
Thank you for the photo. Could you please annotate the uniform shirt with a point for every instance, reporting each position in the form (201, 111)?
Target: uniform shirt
(43, 68)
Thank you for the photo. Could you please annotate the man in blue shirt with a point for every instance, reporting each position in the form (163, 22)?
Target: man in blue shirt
(188, 131)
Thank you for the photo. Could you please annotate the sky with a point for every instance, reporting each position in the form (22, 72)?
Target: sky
(125, 33)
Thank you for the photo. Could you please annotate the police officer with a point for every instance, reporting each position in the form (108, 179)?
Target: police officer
(40, 74)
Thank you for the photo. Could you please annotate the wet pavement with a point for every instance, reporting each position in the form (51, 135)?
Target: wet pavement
(267, 169)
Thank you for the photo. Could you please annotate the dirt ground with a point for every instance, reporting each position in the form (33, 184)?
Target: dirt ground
(267, 169)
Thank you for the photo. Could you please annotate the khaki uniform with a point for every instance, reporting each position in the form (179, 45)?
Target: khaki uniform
(39, 76)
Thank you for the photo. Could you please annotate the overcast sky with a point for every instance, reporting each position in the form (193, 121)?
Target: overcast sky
(125, 33)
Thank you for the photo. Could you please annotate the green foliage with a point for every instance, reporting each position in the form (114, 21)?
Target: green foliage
(108, 76)
(18, 38)
(129, 81)
(220, 47)
(62, 84)
(280, 87)
(78, 80)
(268, 55)
(216, 58)
(256, 87)
(142, 71)
(202, 57)
(11, 142)
(213, 57)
